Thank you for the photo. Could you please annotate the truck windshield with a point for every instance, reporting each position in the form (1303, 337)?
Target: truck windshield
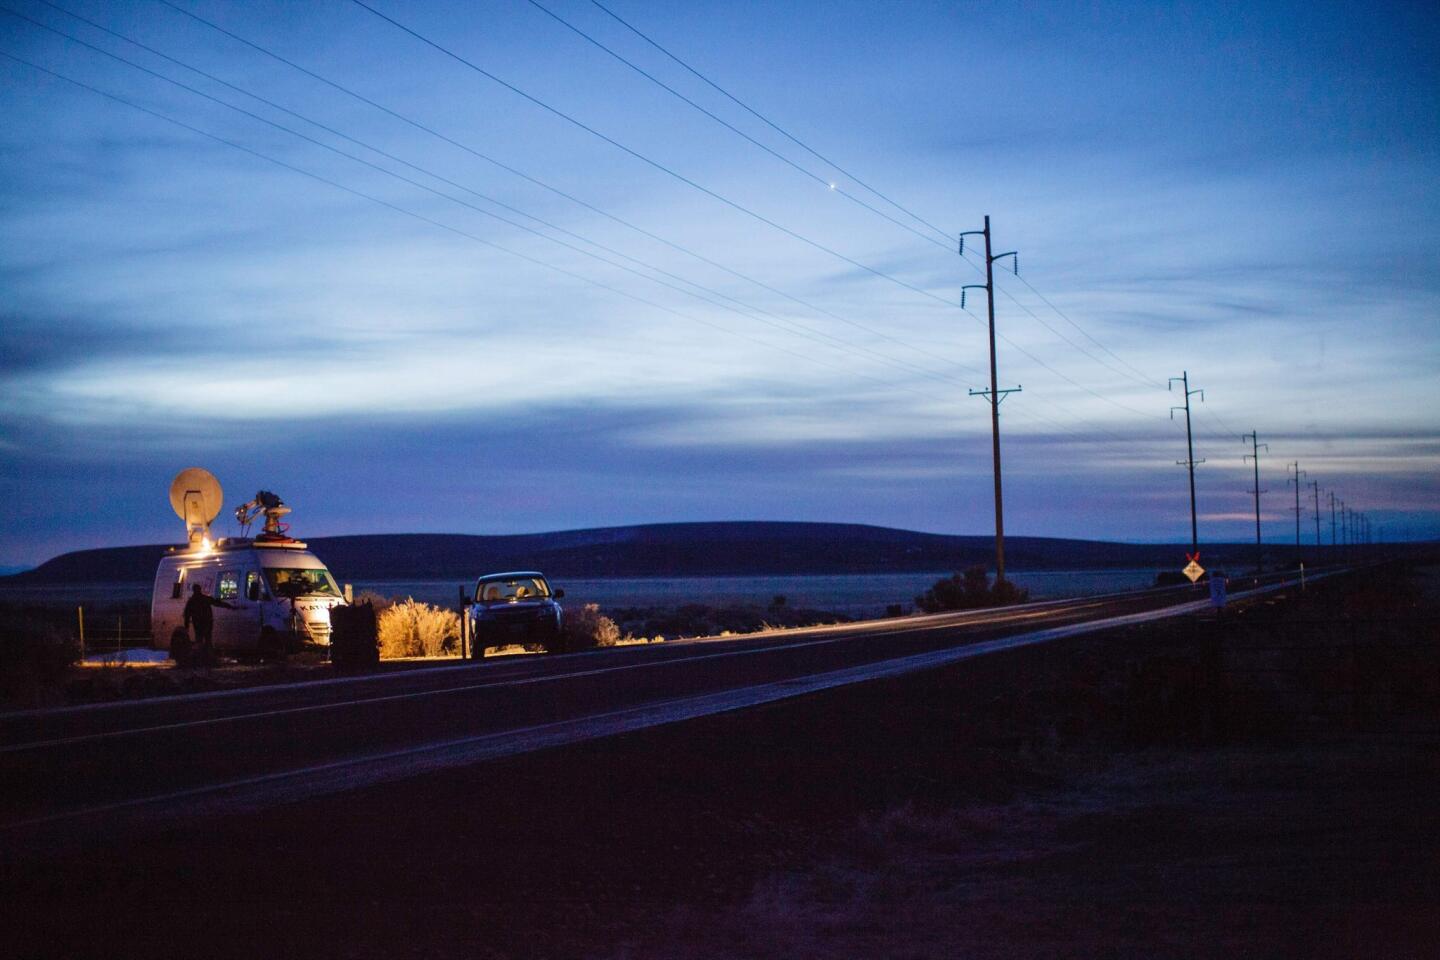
(506, 591)
(297, 582)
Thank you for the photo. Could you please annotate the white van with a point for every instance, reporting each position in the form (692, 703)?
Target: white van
(281, 592)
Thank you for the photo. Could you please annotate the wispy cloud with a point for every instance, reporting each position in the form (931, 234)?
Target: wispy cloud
(1243, 194)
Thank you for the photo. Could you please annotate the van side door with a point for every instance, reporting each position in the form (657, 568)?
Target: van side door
(238, 628)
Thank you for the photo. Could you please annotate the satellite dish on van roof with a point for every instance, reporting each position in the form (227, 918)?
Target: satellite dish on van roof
(196, 498)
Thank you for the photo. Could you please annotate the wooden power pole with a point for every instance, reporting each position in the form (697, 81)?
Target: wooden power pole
(1254, 455)
(1189, 460)
(994, 395)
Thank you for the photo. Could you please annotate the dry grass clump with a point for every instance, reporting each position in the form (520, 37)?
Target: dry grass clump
(588, 627)
(411, 628)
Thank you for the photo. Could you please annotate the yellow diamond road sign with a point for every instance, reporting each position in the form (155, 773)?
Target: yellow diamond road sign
(1194, 571)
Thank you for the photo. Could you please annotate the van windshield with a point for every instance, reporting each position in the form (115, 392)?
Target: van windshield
(511, 589)
(301, 582)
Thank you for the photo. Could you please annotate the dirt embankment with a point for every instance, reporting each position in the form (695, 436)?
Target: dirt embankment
(1258, 786)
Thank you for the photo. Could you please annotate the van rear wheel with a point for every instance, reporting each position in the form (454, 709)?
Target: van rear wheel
(180, 647)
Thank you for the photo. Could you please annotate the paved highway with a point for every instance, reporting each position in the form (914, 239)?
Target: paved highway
(68, 772)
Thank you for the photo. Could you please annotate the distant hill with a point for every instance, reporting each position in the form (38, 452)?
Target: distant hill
(667, 549)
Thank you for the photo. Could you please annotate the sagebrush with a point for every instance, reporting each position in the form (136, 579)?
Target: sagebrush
(412, 628)
(588, 627)
(969, 591)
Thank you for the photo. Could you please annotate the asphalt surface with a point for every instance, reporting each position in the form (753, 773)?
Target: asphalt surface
(115, 766)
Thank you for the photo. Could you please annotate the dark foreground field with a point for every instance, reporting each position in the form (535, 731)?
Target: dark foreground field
(1263, 786)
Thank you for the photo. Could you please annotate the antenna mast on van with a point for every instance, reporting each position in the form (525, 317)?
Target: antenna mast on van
(274, 509)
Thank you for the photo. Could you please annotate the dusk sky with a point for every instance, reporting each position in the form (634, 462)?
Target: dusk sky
(1244, 192)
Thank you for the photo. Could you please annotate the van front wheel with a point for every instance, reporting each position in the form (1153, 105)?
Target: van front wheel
(272, 645)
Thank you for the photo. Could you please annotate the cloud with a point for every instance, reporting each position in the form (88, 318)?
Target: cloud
(1227, 194)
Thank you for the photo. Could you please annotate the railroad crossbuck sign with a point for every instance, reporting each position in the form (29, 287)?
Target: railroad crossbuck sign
(1193, 570)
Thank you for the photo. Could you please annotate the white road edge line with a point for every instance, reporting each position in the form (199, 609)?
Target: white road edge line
(497, 684)
(342, 775)
(957, 617)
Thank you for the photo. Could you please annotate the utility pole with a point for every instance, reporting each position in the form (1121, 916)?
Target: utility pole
(1189, 460)
(1254, 455)
(994, 395)
(1315, 487)
(1298, 473)
(1332, 519)
(1344, 531)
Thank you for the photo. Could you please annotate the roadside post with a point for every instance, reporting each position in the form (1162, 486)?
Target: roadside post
(1302, 576)
(1217, 592)
(464, 622)
(80, 615)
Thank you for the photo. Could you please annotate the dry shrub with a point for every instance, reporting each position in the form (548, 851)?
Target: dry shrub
(969, 591)
(410, 628)
(587, 627)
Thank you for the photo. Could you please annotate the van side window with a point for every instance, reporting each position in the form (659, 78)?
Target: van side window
(229, 585)
(179, 587)
(253, 585)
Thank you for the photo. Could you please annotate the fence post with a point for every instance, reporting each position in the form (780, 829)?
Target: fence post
(463, 623)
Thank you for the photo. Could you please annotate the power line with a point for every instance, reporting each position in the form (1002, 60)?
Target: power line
(467, 235)
(944, 244)
(750, 311)
(725, 200)
(1144, 377)
(1084, 352)
(1070, 380)
(830, 185)
(655, 164)
(1230, 431)
(431, 221)
(454, 230)
(944, 238)
(1047, 326)
(488, 213)
(259, 48)
(945, 235)
(508, 168)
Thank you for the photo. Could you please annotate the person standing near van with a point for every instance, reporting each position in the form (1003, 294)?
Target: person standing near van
(199, 611)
